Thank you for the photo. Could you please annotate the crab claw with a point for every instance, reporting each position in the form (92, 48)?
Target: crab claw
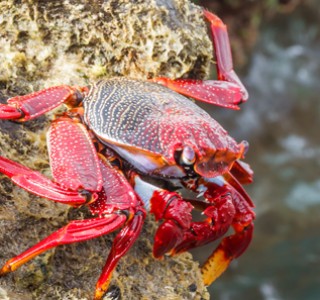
(168, 235)
(234, 245)
(226, 205)
(177, 215)
(230, 248)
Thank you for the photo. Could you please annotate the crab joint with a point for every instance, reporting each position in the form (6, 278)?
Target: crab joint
(90, 197)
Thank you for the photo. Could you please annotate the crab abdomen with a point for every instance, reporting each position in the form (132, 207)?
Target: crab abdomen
(146, 123)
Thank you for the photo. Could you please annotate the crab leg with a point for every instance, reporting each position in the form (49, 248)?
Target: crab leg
(242, 172)
(117, 196)
(223, 52)
(220, 93)
(73, 158)
(230, 248)
(75, 167)
(116, 204)
(228, 91)
(121, 245)
(23, 108)
(34, 182)
(75, 231)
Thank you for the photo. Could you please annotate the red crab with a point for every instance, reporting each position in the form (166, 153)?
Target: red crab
(126, 131)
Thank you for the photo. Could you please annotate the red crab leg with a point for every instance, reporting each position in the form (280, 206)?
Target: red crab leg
(75, 166)
(23, 108)
(38, 184)
(129, 213)
(73, 157)
(223, 52)
(220, 93)
(232, 181)
(117, 196)
(75, 231)
(230, 248)
(242, 172)
(228, 91)
(121, 245)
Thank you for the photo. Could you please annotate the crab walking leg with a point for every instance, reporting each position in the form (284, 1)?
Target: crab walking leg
(23, 108)
(117, 196)
(220, 93)
(223, 52)
(75, 231)
(34, 182)
(73, 158)
(242, 172)
(228, 91)
(75, 167)
(117, 206)
(121, 245)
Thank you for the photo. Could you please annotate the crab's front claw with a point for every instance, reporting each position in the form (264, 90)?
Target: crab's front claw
(230, 248)
(168, 235)
(234, 245)
(176, 214)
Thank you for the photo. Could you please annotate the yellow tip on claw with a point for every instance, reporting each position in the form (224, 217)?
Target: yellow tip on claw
(215, 265)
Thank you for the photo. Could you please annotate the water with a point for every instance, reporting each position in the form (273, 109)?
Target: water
(282, 123)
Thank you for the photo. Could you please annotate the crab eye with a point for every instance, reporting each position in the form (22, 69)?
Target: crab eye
(188, 156)
(245, 147)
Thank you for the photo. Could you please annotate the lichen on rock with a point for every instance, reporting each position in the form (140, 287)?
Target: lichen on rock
(49, 42)
(45, 43)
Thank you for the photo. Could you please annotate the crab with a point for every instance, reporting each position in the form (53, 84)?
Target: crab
(137, 147)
